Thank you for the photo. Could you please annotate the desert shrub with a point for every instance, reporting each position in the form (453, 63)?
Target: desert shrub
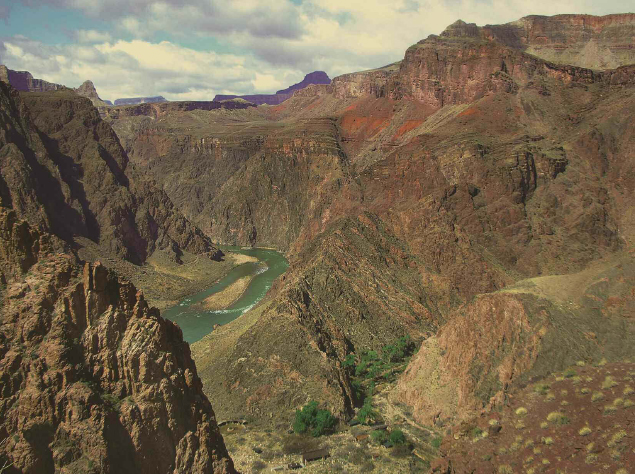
(436, 442)
(366, 413)
(522, 411)
(349, 361)
(584, 431)
(397, 352)
(312, 418)
(397, 437)
(379, 436)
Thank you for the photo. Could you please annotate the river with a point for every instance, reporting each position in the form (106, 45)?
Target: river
(197, 323)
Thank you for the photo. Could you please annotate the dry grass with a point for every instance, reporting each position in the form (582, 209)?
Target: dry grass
(597, 396)
(609, 382)
(616, 438)
(522, 411)
(584, 431)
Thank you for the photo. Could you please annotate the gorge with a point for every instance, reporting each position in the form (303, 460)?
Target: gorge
(474, 198)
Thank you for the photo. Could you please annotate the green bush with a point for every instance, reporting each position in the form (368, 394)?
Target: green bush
(397, 352)
(311, 418)
(366, 413)
(349, 361)
(397, 437)
(379, 436)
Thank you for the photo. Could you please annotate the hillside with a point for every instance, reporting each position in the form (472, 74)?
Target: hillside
(402, 193)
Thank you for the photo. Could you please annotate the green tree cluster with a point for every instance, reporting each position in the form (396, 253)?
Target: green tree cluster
(313, 419)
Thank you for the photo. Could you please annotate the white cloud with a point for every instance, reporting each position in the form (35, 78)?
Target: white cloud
(140, 68)
(92, 36)
(266, 83)
(278, 40)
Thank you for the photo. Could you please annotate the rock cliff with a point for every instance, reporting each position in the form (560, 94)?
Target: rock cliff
(64, 171)
(315, 77)
(87, 89)
(24, 81)
(93, 380)
(595, 42)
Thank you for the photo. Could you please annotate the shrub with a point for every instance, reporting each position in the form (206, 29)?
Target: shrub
(584, 431)
(349, 361)
(311, 418)
(609, 382)
(397, 437)
(522, 411)
(379, 436)
(558, 418)
(398, 351)
(366, 413)
(436, 442)
(597, 396)
(570, 373)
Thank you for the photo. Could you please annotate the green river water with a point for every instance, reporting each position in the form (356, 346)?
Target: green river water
(197, 323)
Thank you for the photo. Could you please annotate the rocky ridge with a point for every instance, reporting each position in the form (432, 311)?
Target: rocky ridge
(461, 170)
(24, 81)
(93, 380)
(64, 170)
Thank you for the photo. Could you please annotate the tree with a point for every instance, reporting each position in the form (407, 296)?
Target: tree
(312, 418)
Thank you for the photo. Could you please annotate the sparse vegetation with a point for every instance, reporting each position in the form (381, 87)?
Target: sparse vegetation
(558, 418)
(597, 396)
(616, 438)
(609, 382)
(522, 411)
(584, 431)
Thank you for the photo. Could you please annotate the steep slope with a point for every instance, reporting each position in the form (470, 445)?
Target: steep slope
(466, 167)
(87, 89)
(64, 170)
(93, 380)
(604, 42)
(24, 81)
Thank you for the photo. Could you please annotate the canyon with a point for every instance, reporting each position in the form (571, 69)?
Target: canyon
(475, 196)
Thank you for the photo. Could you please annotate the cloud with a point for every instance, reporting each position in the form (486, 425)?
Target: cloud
(275, 42)
(141, 68)
(92, 36)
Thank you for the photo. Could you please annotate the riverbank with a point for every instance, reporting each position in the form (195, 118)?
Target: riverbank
(226, 297)
(163, 281)
(238, 291)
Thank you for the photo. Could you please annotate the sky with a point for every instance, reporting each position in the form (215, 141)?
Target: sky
(193, 50)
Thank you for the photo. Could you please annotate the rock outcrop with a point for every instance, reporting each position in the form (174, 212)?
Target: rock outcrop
(24, 81)
(92, 379)
(594, 42)
(313, 78)
(87, 89)
(64, 171)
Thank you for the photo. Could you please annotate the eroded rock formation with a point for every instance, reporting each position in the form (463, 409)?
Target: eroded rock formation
(92, 379)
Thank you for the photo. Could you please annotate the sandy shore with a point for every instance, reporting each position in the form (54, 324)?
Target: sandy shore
(226, 297)
(239, 258)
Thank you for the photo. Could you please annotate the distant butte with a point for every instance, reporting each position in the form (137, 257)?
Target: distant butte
(315, 77)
